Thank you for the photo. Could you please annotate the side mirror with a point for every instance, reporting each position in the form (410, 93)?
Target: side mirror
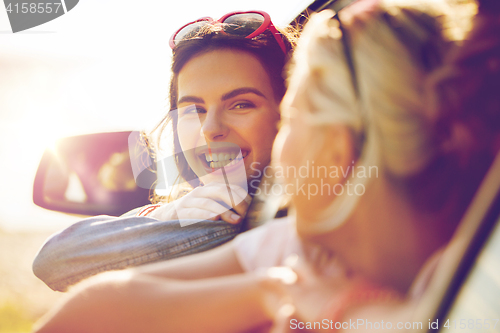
(95, 174)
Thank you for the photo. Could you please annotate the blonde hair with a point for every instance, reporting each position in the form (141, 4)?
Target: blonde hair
(395, 46)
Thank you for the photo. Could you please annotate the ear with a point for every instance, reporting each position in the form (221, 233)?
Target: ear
(339, 147)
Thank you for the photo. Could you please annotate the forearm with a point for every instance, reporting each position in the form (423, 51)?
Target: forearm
(220, 261)
(105, 243)
(141, 303)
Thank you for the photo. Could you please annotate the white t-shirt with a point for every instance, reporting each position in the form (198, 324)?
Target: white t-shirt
(268, 245)
(271, 244)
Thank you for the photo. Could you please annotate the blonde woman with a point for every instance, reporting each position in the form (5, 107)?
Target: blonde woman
(360, 92)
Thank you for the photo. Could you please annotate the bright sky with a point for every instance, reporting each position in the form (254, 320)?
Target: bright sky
(103, 66)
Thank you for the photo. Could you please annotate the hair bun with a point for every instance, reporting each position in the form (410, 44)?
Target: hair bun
(466, 87)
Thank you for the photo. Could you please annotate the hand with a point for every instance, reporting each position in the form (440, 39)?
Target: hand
(313, 289)
(209, 202)
(298, 295)
(316, 289)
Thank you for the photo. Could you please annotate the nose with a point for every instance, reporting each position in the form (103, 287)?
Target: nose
(214, 127)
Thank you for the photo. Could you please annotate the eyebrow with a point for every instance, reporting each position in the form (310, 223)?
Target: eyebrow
(241, 91)
(190, 99)
(225, 97)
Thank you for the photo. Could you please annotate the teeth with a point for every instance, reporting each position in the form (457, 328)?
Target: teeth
(218, 160)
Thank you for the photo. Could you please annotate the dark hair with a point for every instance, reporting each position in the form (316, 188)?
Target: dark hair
(465, 91)
(264, 47)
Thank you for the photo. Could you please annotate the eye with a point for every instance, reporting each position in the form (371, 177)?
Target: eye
(243, 105)
(191, 109)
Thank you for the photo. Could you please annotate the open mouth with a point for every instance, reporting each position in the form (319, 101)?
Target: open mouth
(217, 159)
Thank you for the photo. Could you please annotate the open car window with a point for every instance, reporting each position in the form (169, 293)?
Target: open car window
(477, 303)
(463, 293)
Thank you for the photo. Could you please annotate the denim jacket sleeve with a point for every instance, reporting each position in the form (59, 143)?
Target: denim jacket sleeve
(104, 243)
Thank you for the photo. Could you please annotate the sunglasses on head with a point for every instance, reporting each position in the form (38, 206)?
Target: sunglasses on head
(245, 24)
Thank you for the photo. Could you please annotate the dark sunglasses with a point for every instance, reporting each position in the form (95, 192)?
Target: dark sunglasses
(346, 44)
(245, 24)
(425, 50)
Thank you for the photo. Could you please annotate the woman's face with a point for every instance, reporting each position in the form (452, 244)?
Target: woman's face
(299, 156)
(309, 156)
(226, 112)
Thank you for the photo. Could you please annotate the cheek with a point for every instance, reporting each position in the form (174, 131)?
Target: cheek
(260, 133)
(265, 139)
(280, 152)
(189, 139)
(293, 145)
(189, 132)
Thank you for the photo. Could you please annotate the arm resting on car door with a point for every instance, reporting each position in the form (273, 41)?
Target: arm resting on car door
(104, 243)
